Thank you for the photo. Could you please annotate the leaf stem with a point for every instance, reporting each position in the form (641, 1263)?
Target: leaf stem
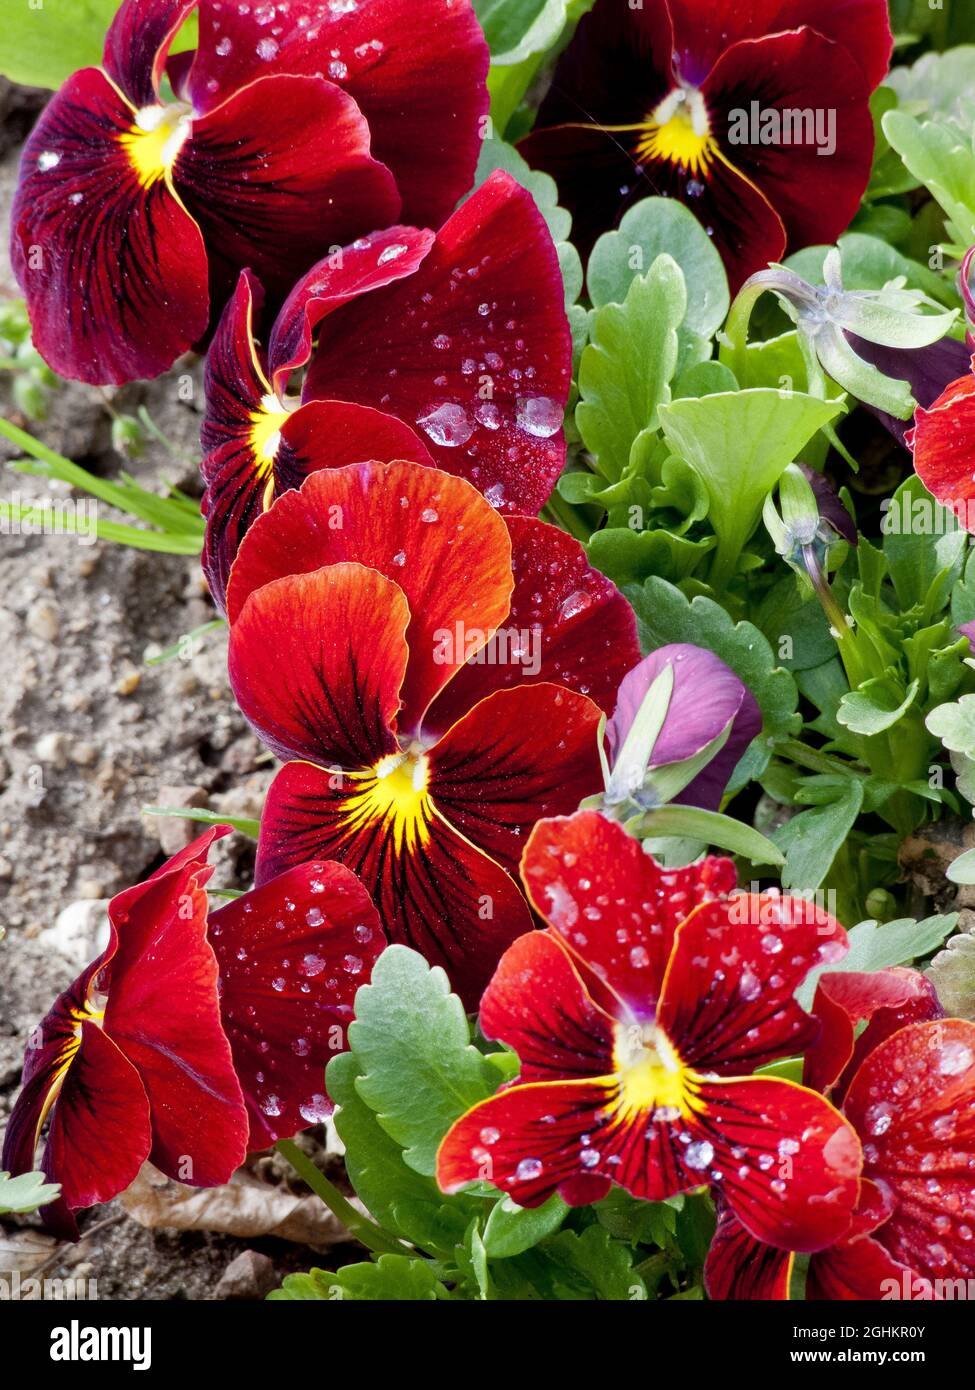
(373, 1237)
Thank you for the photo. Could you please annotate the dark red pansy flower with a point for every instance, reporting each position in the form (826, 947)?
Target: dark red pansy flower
(451, 349)
(715, 102)
(136, 208)
(906, 1082)
(943, 441)
(433, 676)
(186, 1045)
(638, 1017)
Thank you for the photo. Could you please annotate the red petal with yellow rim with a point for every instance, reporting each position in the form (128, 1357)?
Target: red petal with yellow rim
(913, 1103)
(861, 1270)
(235, 380)
(431, 533)
(517, 756)
(944, 448)
(530, 1141)
(113, 267)
(368, 264)
(473, 349)
(740, 1267)
(434, 890)
(702, 32)
(415, 67)
(888, 998)
(784, 1160)
(567, 624)
(163, 1012)
(137, 45)
(292, 955)
(612, 903)
(316, 663)
(51, 1050)
(727, 999)
(538, 1004)
(100, 1132)
(278, 175)
(806, 73)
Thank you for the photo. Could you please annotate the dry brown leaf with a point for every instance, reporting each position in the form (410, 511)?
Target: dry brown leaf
(245, 1207)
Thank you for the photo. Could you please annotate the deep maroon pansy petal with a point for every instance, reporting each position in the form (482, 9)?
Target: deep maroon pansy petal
(163, 1012)
(805, 72)
(137, 45)
(278, 175)
(702, 31)
(112, 265)
(516, 756)
(368, 264)
(567, 623)
(434, 890)
(473, 349)
(292, 955)
(416, 69)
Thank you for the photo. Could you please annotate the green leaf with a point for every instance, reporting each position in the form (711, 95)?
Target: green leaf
(243, 824)
(877, 946)
(392, 1278)
(952, 972)
(40, 47)
(26, 1192)
(941, 156)
(924, 547)
(511, 1229)
(811, 840)
(655, 227)
(412, 1042)
(515, 29)
(639, 1223)
(740, 443)
(954, 724)
(602, 1262)
(709, 828)
(626, 369)
(666, 615)
(876, 705)
(400, 1199)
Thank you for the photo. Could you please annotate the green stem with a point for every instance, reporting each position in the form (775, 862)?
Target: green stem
(811, 758)
(373, 1237)
(561, 514)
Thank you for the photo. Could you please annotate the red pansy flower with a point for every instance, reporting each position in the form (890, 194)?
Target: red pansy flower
(638, 1016)
(943, 440)
(690, 99)
(907, 1083)
(451, 349)
(294, 127)
(187, 1044)
(433, 675)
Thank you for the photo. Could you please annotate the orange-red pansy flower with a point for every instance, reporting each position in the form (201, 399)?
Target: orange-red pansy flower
(433, 676)
(638, 1017)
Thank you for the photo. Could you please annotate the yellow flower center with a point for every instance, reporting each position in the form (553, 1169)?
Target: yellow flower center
(651, 1075)
(394, 794)
(155, 140)
(265, 440)
(679, 132)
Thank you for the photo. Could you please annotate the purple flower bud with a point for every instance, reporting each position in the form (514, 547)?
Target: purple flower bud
(706, 696)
